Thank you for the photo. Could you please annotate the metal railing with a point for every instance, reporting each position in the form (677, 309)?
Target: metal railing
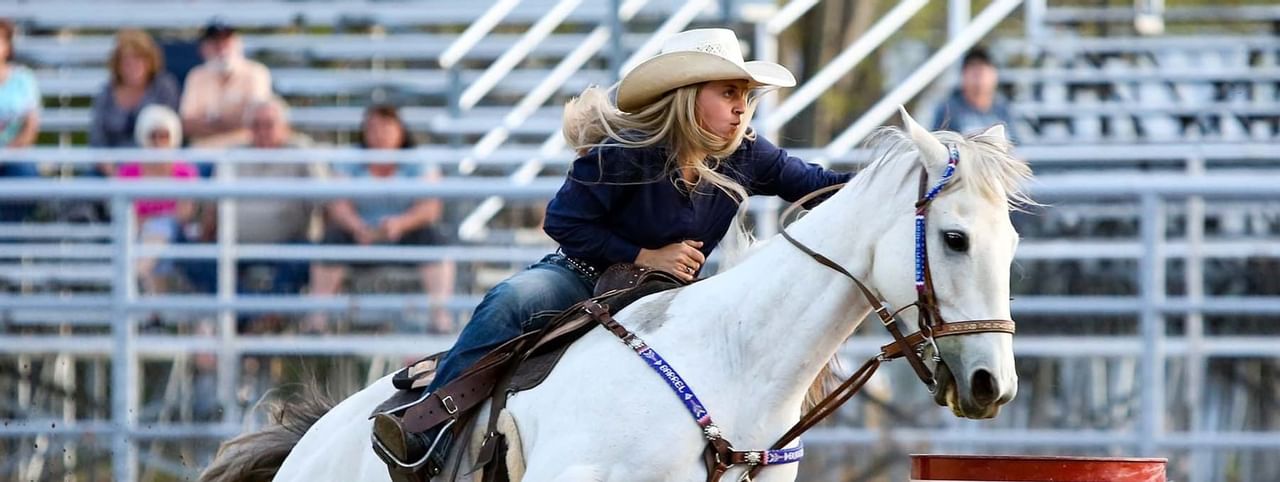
(474, 224)
(945, 57)
(1181, 185)
(124, 305)
(830, 73)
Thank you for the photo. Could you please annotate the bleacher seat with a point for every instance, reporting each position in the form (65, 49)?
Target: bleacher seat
(290, 48)
(86, 14)
(1146, 89)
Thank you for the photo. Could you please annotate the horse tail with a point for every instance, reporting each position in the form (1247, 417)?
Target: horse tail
(257, 456)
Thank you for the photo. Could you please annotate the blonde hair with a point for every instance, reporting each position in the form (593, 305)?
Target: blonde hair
(139, 43)
(671, 122)
(153, 117)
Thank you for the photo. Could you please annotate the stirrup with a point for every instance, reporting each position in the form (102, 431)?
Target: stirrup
(417, 464)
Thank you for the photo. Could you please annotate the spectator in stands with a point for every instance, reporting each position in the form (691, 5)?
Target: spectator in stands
(158, 127)
(976, 105)
(138, 79)
(661, 179)
(218, 91)
(19, 120)
(263, 221)
(400, 221)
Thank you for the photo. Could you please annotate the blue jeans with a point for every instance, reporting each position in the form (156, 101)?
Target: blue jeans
(20, 210)
(522, 303)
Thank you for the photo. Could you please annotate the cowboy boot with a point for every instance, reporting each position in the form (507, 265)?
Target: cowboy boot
(406, 453)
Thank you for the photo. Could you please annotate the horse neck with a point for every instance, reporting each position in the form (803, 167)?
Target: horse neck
(780, 315)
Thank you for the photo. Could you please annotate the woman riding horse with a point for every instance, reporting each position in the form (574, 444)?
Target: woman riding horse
(660, 180)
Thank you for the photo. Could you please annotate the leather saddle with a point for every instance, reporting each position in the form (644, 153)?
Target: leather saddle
(520, 364)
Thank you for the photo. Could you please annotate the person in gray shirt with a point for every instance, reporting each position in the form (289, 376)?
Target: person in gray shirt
(976, 105)
(271, 221)
(263, 220)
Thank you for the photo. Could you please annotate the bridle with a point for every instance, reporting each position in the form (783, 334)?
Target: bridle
(931, 324)
(719, 454)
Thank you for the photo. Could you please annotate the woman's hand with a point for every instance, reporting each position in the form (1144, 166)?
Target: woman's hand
(680, 259)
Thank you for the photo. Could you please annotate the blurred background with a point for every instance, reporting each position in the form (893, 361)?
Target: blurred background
(174, 248)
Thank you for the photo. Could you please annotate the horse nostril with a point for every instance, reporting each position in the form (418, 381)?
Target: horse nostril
(984, 387)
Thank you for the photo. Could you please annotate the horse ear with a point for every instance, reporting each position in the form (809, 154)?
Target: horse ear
(995, 131)
(931, 150)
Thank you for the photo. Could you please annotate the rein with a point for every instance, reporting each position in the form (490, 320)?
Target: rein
(719, 453)
(931, 324)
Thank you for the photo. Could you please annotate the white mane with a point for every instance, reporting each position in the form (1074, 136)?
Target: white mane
(987, 163)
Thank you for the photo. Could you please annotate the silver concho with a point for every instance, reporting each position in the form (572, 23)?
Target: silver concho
(753, 458)
(635, 343)
(712, 432)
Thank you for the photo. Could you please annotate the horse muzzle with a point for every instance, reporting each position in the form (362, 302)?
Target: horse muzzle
(978, 396)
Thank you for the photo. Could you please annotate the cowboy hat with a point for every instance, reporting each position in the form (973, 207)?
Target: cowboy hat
(693, 57)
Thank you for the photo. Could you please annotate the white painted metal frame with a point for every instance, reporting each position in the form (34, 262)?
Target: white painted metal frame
(473, 225)
(1152, 304)
(476, 32)
(830, 73)
(501, 67)
(914, 83)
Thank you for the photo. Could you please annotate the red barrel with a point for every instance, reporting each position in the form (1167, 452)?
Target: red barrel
(1025, 468)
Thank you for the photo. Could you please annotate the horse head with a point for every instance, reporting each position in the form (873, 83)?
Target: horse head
(969, 242)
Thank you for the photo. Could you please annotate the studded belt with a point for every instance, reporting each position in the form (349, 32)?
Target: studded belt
(582, 266)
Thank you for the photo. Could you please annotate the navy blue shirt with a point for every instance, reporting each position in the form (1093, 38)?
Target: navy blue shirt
(606, 217)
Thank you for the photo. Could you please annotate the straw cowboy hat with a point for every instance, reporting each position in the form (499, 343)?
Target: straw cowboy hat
(693, 57)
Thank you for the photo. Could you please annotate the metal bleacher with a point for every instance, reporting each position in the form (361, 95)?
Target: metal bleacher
(1065, 87)
(1136, 89)
(395, 55)
(160, 14)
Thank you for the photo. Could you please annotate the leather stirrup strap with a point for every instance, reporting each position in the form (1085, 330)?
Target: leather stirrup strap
(493, 440)
(466, 392)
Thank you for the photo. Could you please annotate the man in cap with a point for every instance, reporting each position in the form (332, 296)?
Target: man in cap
(976, 104)
(217, 91)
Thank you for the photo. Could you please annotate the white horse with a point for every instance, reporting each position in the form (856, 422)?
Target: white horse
(750, 340)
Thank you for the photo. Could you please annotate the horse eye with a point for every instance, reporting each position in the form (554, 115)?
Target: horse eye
(956, 240)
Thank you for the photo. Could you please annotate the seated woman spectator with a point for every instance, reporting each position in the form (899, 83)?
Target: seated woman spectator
(19, 120)
(400, 221)
(138, 79)
(158, 127)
